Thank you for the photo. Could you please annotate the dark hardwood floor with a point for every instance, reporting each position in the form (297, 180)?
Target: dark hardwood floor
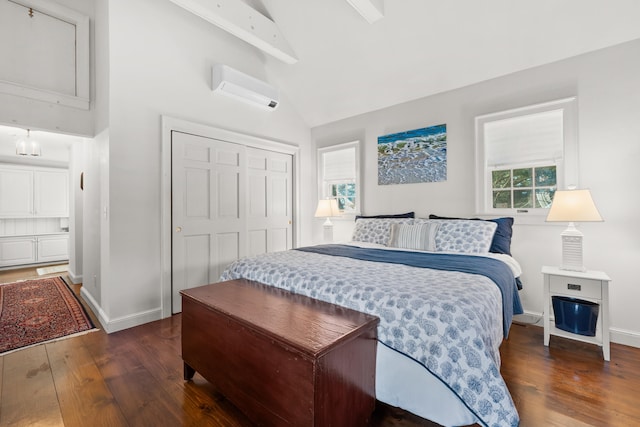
(134, 378)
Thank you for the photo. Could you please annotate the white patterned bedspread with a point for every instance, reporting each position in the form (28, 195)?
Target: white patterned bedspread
(450, 322)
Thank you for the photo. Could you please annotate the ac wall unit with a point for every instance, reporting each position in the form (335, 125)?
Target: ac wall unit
(232, 82)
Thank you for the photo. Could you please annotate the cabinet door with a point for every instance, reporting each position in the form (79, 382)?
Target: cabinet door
(17, 251)
(51, 193)
(53, 248)
(16, 193)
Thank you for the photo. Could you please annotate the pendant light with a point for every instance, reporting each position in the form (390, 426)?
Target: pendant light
(28, 147)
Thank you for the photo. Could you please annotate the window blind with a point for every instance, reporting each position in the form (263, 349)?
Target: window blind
(525, 139)
(339, 165)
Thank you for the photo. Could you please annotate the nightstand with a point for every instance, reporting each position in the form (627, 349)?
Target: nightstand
(589, 286)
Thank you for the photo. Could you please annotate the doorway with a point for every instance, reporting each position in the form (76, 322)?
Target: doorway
(41, 222)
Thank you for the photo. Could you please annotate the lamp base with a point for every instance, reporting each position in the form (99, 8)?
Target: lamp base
(328, 231)
(572, 249)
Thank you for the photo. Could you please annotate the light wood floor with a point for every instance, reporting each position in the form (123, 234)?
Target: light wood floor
(134, 378)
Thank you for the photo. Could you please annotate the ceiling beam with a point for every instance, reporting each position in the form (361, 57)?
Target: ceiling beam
(371, 10)
(244, 22)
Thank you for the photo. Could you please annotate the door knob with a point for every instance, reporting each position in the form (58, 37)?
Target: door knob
(178, 229)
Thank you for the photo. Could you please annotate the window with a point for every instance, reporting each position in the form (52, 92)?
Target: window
(338, 172)
(523, 156)
(523, 188)
(345, 194)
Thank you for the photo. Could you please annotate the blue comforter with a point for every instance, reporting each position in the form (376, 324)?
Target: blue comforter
(450, 322)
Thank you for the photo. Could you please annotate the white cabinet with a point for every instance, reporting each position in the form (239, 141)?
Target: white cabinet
(16, 193)
(33, 249)
(27, 192)
(34, 202)
(17, 251)
(51, 193)
(53, 248)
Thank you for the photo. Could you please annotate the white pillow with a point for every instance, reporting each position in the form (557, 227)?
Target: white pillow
(420, 236)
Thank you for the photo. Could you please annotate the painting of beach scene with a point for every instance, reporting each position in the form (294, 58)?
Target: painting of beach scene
(413, 156)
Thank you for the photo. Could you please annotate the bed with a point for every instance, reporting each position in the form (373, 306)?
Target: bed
(444, 300)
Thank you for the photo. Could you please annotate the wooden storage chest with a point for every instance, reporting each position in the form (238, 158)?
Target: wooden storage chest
(281, 358)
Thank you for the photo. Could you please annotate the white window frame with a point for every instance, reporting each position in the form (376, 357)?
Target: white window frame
(566, 168)
(323, 184)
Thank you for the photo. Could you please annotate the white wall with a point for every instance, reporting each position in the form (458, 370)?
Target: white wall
(158, 63)
(76, 167)
(608, 89)
(94, 160)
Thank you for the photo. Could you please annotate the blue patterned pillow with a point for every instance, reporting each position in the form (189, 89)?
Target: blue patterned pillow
(501, 243)
(376, 230)
(464, 236)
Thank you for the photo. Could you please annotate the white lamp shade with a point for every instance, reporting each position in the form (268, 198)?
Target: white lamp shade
(573, 206)
(327, 208)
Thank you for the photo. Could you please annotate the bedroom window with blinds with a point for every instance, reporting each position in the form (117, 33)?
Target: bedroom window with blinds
(523, 156)
(338, 176)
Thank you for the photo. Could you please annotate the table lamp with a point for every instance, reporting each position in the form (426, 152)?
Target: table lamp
(572, 206)
(327, 208)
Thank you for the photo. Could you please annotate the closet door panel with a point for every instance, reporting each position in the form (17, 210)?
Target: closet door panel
(208, 210)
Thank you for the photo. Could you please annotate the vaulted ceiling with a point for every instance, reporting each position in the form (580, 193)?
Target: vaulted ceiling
(347, 66)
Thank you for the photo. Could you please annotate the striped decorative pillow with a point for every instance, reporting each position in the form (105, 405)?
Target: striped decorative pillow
(414, 236)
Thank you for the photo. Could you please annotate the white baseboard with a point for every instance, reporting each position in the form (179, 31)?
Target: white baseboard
(94, 306)
(617, 335)
(137, 319)
(622, 336)
(125, 322)
(75, 278)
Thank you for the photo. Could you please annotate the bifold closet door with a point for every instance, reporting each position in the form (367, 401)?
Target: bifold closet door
(269, 202)
(228, 201)
(208, 210)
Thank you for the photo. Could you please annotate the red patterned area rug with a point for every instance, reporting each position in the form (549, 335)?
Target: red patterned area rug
(37, 311)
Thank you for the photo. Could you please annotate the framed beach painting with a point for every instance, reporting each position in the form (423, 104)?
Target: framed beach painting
(413, 156)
